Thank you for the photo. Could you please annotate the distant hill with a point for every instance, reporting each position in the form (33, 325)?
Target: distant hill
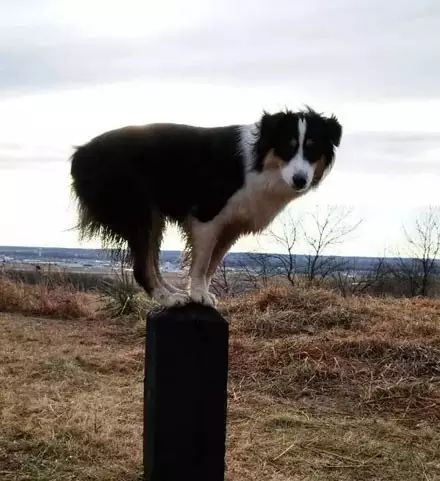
(170, 260)
(71, 258)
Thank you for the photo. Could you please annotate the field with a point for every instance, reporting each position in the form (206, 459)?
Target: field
(321, 387)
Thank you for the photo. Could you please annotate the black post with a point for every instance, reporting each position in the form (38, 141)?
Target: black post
(185, 394)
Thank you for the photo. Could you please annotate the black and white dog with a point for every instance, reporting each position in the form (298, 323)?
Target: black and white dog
(217, 184)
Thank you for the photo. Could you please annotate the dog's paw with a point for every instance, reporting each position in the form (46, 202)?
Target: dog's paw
(170, 299)
(204, 297)
(213, 298)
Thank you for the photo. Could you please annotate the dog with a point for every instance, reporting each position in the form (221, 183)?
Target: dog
(216, 183)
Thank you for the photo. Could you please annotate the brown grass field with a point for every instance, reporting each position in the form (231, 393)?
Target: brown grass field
(321, 387)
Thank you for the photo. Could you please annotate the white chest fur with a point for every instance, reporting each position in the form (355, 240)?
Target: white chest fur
(254, 206)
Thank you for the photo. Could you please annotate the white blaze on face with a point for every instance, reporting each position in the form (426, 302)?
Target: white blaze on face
(298, 165)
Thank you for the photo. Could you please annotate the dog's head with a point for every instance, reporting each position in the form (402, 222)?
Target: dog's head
(300, 144)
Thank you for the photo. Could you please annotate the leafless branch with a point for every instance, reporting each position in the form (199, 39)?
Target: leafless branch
(328, 227)
(285, 235)
(418, 263)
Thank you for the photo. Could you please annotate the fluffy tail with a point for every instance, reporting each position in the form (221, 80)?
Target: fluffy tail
(108, 210)
(85, 190)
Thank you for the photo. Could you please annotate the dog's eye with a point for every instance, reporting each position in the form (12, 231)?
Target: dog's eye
(310, 142)
(294, 143)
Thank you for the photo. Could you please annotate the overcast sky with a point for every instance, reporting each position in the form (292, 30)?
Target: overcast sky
(72, 69)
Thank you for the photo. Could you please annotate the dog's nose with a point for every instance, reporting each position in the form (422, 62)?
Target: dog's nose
(299, 181)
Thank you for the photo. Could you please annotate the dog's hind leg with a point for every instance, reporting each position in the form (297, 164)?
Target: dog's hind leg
(144, 276)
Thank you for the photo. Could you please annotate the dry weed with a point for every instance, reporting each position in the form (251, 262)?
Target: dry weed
(59, 301)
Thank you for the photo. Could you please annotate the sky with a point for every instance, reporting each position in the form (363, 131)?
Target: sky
(70, 70)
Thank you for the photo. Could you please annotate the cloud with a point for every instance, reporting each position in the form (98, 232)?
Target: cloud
(86, 67)
(342, 49)
(16, 156)
(390, 153)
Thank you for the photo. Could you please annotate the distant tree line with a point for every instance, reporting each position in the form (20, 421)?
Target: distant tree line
(414, 270)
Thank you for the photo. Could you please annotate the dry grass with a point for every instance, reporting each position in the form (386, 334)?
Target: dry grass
(59, 301)
(71, 400)
(333, 388)
(321, 388)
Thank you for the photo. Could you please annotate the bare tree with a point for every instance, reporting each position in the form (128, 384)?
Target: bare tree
(419, 264)
(285, 235)
(257, 269)
(254, 271)
(406, 272)
(328, 228)
(360, 283)
(225, 281)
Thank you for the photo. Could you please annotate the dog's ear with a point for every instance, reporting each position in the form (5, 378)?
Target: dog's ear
(269, 126)
(334, 130)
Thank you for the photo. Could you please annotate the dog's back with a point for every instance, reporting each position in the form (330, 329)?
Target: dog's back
(120, 176)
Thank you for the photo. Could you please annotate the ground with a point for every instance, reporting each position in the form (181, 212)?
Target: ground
(321, 388)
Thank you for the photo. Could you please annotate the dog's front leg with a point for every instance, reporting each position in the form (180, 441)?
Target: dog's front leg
(203, 239)
(225, 241)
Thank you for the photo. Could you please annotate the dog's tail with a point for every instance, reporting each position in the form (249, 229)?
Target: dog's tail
(108, 211)
(93, 223)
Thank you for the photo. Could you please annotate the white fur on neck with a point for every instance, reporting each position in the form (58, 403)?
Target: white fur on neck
(248, 134)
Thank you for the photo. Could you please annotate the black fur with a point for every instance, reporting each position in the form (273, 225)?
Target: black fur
(176, 169)
(124, 177)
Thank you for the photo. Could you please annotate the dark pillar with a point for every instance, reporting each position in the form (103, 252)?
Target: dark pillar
(185, 394)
